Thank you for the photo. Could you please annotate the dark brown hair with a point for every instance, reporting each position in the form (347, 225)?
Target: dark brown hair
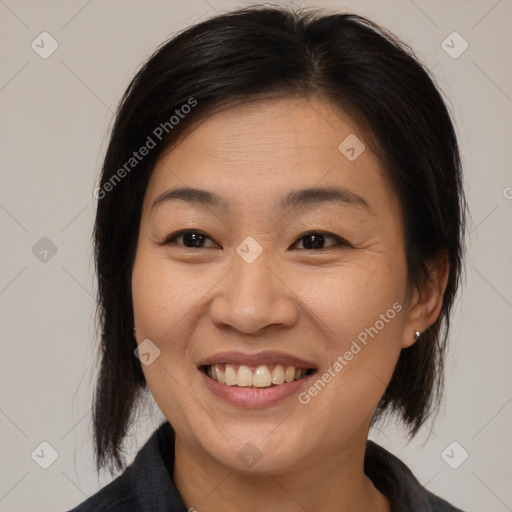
(260, 51)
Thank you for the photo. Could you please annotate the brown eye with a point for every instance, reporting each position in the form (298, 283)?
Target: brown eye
(317, 240)
(189, 239)
(193, 239)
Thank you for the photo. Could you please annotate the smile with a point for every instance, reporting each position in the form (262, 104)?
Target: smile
(262, 376)
(256, 380)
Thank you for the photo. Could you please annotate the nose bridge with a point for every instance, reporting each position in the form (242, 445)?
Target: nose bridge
(252, 289)
(252, 268)
(253, 297)
(251, 278)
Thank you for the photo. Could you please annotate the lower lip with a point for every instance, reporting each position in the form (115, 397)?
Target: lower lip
(253, 397)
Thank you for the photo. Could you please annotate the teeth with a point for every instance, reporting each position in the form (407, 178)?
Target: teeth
(278, 375)
(244, 377)
(261, 377)
(230, 376)
(219, 374)
(289, 374)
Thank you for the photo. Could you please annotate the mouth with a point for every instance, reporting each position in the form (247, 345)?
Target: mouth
(256, 376)
(266, 375)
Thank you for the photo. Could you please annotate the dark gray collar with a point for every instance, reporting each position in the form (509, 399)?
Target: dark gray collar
(147, 483)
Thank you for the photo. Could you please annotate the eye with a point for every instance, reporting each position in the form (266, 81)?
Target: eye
(316, 240)
(191, 239)
(194, 239)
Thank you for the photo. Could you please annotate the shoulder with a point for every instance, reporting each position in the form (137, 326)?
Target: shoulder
(395, 480)
(437, 504)
(145, 485)
(114, 497)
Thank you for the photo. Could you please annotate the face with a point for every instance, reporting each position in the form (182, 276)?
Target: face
(295, 272)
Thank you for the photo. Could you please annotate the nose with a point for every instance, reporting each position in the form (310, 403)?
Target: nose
(253, 297)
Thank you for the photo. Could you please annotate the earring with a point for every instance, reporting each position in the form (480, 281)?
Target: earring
(417, 335)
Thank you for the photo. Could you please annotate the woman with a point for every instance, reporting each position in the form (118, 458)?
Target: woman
(278, 246)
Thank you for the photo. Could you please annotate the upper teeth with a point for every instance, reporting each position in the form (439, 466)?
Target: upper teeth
(262, 376)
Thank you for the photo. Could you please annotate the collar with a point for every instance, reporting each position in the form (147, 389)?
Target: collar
(147, 483)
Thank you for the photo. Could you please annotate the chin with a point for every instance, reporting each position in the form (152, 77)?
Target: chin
(255, 449)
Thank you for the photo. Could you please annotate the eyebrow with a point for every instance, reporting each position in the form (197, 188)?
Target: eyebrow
(295, 199)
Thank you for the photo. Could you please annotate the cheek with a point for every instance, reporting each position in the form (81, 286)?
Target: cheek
(349, 300)
(163, 300)
(361, 313)
(168, 307)
(160, 300)
(162, 297)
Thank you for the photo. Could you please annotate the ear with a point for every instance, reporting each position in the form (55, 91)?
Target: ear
(427, 300)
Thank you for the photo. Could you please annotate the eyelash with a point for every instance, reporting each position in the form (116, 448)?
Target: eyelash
(339, 241)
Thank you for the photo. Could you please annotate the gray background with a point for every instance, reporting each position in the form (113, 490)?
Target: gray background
(55, 116)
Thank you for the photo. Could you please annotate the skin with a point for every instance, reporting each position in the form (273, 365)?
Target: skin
(311, 303)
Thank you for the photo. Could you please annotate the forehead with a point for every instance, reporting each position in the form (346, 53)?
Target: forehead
(259, 152)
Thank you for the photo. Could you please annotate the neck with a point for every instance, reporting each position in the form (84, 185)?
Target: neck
(333, 483)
